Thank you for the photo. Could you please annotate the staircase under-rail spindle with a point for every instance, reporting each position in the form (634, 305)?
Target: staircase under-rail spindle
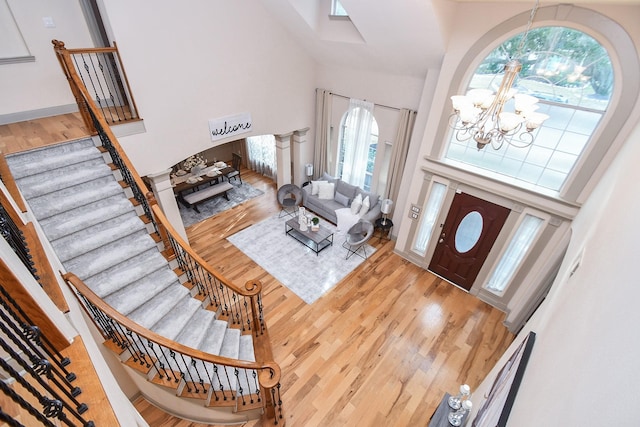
(98, 235)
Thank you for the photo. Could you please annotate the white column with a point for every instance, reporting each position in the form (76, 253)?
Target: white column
(283, 158)
(163, 192)
(299, 156)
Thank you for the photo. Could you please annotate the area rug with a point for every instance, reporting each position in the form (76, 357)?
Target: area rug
(240, 194)
(293, 264)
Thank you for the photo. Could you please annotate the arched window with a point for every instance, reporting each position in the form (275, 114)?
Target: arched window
(358, 145)
(572, 76)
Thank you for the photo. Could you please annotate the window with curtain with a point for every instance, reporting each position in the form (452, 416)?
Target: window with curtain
(261, 153)
(512, 257)
(358, 143)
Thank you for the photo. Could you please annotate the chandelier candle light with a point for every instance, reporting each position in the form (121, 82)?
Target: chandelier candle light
(480, 113)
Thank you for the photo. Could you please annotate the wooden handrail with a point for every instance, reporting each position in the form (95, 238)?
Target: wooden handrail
(31, 307)
(48, 279)
(116, 74)
(10, 183)
(252, 287)
(268, 370)
(270, 380)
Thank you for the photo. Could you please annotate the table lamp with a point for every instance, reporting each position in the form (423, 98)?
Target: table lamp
(386, 209)
(309, 170)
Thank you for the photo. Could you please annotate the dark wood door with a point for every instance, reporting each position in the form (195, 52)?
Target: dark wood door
(467, 235)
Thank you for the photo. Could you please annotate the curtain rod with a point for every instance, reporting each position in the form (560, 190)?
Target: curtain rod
(378, 105)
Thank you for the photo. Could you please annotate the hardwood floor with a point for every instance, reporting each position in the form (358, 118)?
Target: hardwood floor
(380, 349)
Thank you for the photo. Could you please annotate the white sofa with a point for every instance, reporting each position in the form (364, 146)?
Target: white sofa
(343, 197)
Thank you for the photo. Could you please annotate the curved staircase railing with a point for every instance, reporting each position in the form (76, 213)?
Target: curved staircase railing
(191, 372)
(195, 371)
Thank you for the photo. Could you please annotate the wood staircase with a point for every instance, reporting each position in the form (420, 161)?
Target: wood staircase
(108, 243)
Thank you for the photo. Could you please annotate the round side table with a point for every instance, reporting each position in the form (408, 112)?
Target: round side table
(385, 227)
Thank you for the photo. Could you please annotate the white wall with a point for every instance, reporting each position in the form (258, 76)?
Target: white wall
(188, 64)
(41, 84)
(583, 368)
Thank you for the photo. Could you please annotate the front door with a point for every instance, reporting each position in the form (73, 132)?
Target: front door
(467, 235)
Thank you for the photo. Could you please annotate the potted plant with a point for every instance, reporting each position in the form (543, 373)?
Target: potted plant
(315, 223)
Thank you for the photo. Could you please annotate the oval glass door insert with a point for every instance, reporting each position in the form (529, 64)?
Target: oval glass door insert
(468, 232)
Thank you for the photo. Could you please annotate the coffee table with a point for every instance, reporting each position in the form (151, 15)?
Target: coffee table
(314, 240)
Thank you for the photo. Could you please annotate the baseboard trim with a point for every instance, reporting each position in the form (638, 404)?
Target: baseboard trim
(37, 114)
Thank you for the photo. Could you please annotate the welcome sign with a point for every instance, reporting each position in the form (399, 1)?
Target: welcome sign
(224, 127)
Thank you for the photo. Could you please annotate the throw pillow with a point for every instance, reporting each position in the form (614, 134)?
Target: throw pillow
(326, 177)
(356, 204)
(365, 207)
(315, 186)
(341, 198)
(346, 189)
(373, 198)
(326, 190)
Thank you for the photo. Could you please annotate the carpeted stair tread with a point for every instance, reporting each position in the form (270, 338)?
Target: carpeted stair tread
(196, 328)
(246, 348)
(231, 349)
(134, 295)
(231, 343)
(177, 318)
(71, 197)
(159, 306)
(97, 235)
(212, 342)
(245, 377)
(107, 256)
(127, 272)
(65, 223)
(51, 157)
(68, 176)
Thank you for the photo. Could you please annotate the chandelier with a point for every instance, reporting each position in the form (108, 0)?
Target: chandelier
(480, 114)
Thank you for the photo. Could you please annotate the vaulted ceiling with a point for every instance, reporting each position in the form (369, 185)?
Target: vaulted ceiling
(403, 37)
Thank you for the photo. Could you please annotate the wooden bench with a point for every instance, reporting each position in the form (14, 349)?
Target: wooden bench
(199, 196)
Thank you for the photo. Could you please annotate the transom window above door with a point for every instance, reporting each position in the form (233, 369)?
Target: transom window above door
(572, 76)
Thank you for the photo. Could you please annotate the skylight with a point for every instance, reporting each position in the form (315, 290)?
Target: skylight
(337, 9)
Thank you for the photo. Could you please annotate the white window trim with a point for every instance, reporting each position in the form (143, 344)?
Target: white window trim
(545, 217)
(434, 180)
(614, 127)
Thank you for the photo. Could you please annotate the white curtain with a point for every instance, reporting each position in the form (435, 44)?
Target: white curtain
(358, 124)
(261, 153)
(323, 133)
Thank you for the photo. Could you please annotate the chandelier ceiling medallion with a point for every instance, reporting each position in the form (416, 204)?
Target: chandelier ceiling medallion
(480, 114)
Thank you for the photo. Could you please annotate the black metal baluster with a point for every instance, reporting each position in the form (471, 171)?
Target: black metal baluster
(188, 376)
(53, 407)
(126, 173)
(25, 405)
(114, 75)
(14, 309)
(246, 313)
(211, 290)
(160, 366)
(217, 377)
(15, 238)
(22, 340)
(194, 367)
(239, 389)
